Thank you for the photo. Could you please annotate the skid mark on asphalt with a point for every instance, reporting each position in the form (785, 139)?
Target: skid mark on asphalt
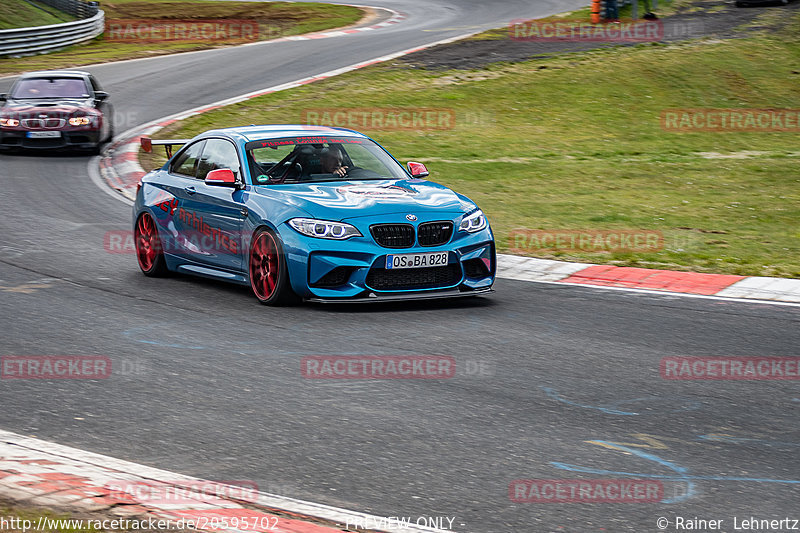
(27, 288)
(616, 408)
(649, 442)
(730, 439)
(19, 249)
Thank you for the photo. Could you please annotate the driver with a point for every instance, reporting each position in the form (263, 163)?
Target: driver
(331, 161)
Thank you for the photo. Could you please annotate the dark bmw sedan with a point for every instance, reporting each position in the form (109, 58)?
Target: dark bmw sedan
(55, 109)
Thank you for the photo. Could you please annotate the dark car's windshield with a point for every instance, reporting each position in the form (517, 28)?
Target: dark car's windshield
(314, 159)
(37, 88)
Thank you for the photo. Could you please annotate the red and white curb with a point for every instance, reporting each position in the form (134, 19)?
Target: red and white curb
(649, 280)
(40, 473)
(396, 16)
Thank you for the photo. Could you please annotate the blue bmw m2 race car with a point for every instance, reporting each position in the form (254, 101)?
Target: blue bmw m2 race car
(309, 212)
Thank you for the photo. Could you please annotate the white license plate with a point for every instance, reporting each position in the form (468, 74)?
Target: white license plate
(43, 134)
(430, 259)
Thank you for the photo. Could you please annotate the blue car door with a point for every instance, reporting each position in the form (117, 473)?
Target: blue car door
(214, 214)
(178, 184)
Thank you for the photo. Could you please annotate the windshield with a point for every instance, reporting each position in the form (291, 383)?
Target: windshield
(315, 159)
(50, 88)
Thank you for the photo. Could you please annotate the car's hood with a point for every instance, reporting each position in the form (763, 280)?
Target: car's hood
(50, 106)
(341, 200)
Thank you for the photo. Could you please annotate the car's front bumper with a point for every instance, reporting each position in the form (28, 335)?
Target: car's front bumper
(67, 139)
(326, 270)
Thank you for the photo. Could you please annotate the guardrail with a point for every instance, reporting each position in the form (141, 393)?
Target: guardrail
(41, 39)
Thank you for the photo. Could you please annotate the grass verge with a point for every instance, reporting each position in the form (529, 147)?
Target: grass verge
(21, 14)
(576, 142)
(274, 19)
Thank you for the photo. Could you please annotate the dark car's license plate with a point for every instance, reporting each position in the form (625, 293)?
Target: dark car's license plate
(44, 134)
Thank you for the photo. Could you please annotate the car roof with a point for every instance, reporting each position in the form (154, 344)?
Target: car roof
(54, 73)
(276, 131)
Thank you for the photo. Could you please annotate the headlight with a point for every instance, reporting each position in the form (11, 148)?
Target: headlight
(473, 222)
(9, 122)
(79, 121)
(324, 229)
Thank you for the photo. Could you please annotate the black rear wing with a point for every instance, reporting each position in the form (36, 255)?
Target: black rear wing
(148, 143)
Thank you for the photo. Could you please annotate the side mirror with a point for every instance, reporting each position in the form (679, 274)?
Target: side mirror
(100, 96)
(417, 170)
(222, 177)
(3, 97)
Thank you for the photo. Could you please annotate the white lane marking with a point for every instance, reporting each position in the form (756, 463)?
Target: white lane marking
(91, 459)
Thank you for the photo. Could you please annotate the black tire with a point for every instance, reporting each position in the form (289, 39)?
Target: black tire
(266, 267)
(149, 254)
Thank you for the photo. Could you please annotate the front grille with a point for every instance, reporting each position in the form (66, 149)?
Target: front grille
(434, 233)
(413, 278)
(393, 235)
(50, 123)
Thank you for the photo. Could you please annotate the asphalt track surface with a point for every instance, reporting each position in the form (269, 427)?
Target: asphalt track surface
(207, 382)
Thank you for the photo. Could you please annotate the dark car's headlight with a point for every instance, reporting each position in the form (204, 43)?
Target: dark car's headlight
(473, 222)
(79, 121)
(11, 122)
(324, 229)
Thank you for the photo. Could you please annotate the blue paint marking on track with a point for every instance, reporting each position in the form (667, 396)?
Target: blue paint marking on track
(615, 407)
(682, 473)
(133, 333)
(160, 336)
